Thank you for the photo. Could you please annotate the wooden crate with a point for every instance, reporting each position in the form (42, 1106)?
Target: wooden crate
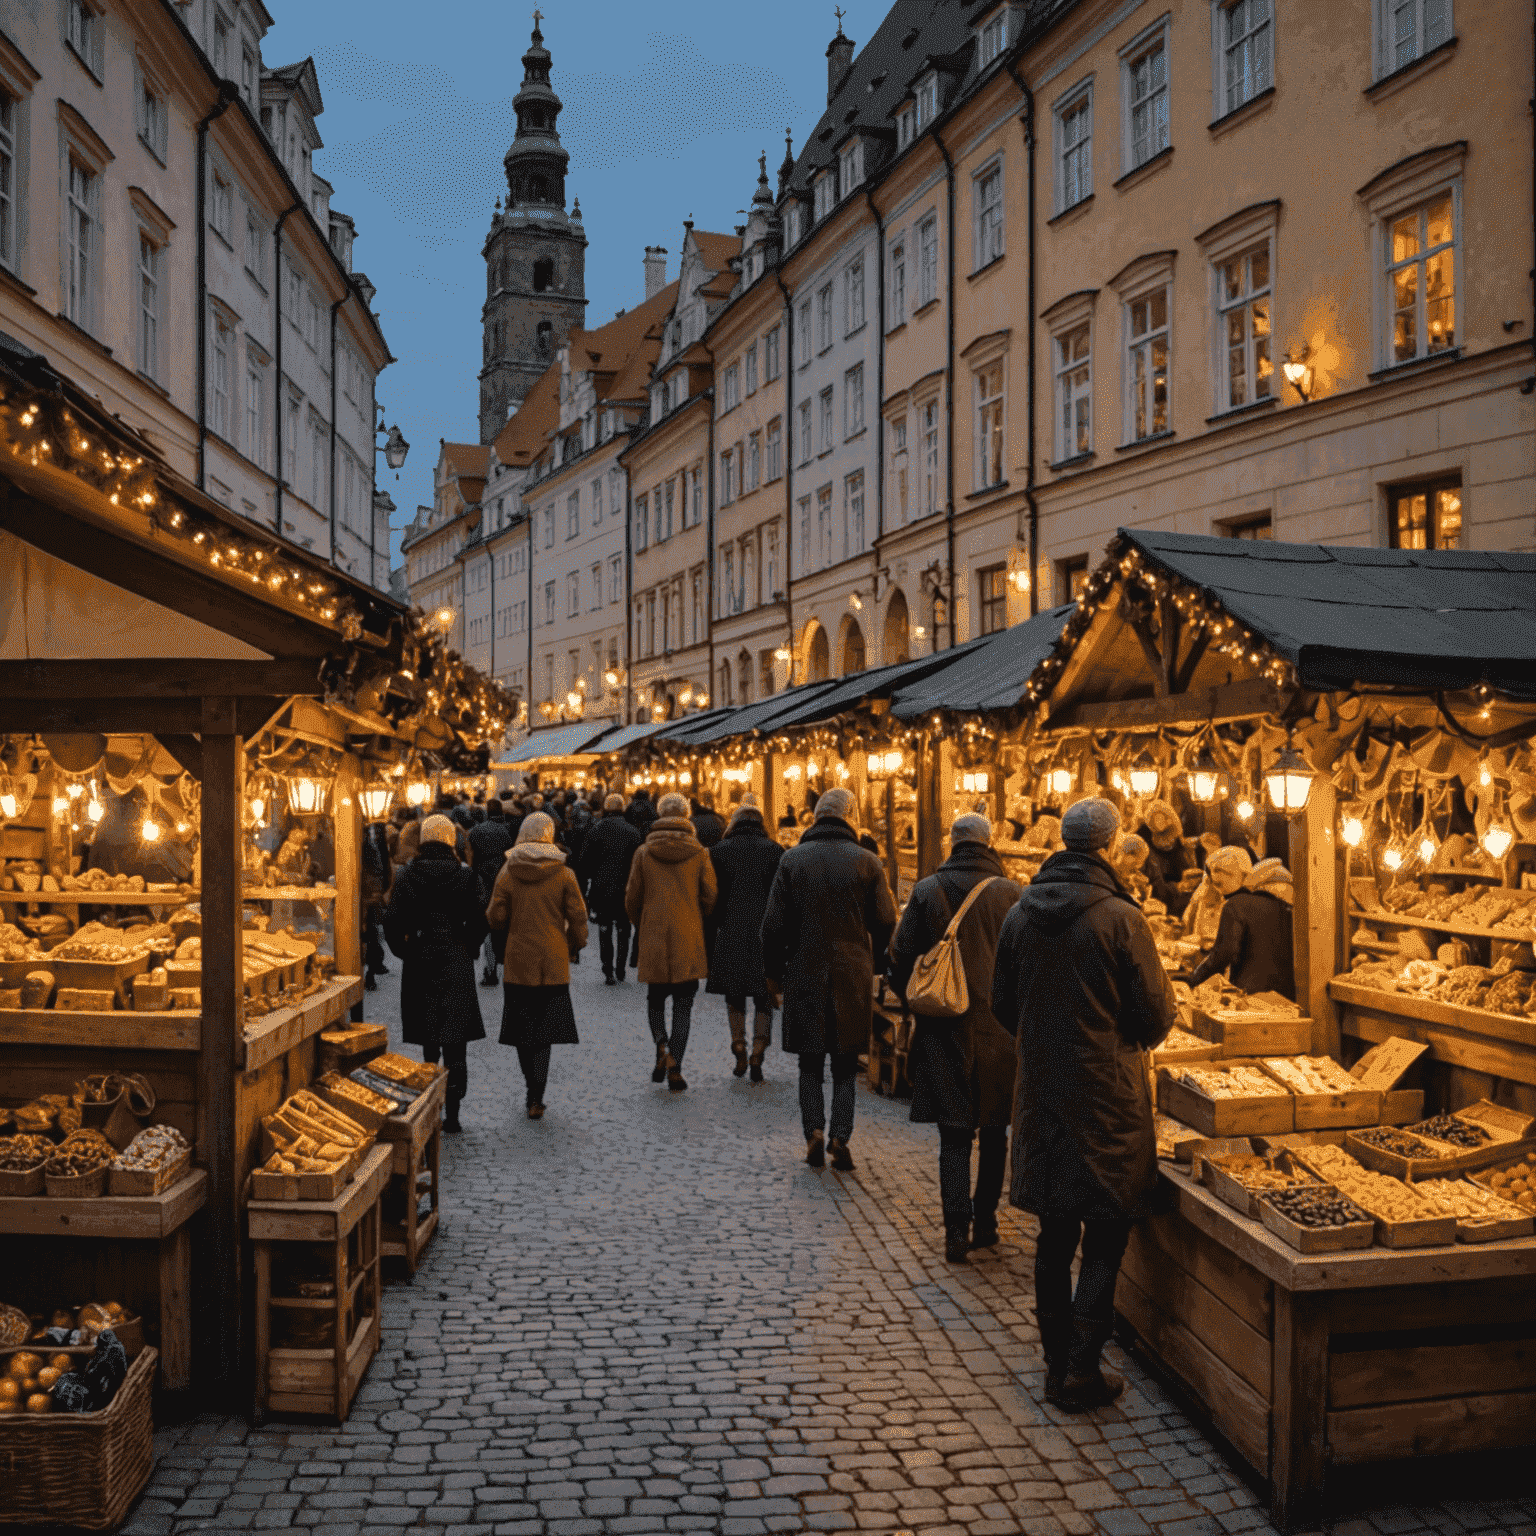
(149, 1181)
(1357, 1234)
(1223, 1117)
(416, 1139)
(1254, 1034)
(1337, 1111)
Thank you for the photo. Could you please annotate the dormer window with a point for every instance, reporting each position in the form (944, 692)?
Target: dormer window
(851, 166)
(993, 37)
(792, 223)
(679, 390)
(927, 101)
(826, 193)
(906, 125)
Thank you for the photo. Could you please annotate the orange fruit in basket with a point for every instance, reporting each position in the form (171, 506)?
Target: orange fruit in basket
(25, 1364)
(10, 1392)
(47, 1376)
(61, 1363)
(39, 1402)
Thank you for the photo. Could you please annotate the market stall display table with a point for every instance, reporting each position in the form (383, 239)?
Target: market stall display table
(416, 1139)
(890, 1038)
(159, 1219)
(1306, 1362)
(321, 1381)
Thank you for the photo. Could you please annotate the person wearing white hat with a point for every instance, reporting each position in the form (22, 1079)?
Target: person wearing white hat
(1254, 941)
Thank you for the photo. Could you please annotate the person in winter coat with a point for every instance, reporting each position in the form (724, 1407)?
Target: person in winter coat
(578, 823)
(1081, 988)
(962, 1068)
(512, 814)
(539, 921)
(745, 860)
(603, 871)
(640, 813)
(434, 923)
(669, 897)
(488, 842)
(829, 920)
(1254, 937)
(1167, 857)
(707, 826)
(1225, 870)
(378, 871)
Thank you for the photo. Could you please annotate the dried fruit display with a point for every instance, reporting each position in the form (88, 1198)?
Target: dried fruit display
(1515, 1182)
(1311, 1074)
(1315, 1205)
(1379, 1193)
(1465, 1201)
(1400, 1142)
(1236, 1082)
(1459, 1133)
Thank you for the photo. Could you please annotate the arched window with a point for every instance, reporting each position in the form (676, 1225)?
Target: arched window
(744, 676)
(725, 684)
(897, 646)
(818, 661)
(543, 274)
(852, 648)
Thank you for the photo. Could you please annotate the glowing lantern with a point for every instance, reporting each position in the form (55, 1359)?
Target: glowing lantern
(1245, 810)
(1497, 840)
(1289, 782)
(150, 830)
(1428, 846)
(1144, 777)
(975, 783)
(376, 801)
(884, 765)
(308, 796)
(1206, 781)
(1060, 781)
(418, 792)
(1392, 856)
(1352, 831)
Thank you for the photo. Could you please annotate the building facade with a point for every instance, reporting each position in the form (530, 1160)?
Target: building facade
(166, 242)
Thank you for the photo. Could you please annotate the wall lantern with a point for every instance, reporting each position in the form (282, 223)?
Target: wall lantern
(1060, 781)
(1289, 782)
(376, 801)
(1298, 372)
(1351, 831)
(395, 448)
(1207, 783)
(418, 792)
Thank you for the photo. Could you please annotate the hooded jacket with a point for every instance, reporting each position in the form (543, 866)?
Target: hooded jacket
(1081, 988)
(745, 860)
(830, 917)
(1254, 943)
(603, 868)
(488, 843)
(434, 924)
(671, 891)
(537, 916)
(640, 813)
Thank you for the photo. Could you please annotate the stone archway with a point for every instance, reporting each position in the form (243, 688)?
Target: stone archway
(897, 643)
(850, 647)
(818, 656)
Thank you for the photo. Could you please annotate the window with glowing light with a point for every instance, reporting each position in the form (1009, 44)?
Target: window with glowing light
(1421, 279)
(1147, 364)
(1243, 309)
(1425, 515)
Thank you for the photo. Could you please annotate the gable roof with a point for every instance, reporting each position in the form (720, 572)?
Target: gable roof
(991, 674)
(302, 77)
(717, 251)
(472, 459)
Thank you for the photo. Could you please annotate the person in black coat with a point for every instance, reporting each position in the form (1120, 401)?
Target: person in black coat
(488, 842)
(707, 826)
(606, 854)
(830, 917)
(1254, 939)
(640, 813)
(434, 924)
(962, 1068)
(1081, 988)
(377, 874)
(746, 860)
(1168, 860)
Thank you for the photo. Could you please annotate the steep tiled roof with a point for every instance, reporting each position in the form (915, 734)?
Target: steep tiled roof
(467, 459)
(717, 251)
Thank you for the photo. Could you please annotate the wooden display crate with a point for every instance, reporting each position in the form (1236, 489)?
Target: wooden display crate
(1356, 1234)
(1397, 1232)
(1333, 1111)
(149, 1181)
(416, 1138)
(1224, 1117)
(1255, 1034)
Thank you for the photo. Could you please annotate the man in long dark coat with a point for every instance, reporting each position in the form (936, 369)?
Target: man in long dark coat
(606, 854)
(746, 860)
(1080, 986)
(830, 917)
(962, 1068)
(489, 839)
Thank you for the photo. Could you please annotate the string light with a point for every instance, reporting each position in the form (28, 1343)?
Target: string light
(1352, 831)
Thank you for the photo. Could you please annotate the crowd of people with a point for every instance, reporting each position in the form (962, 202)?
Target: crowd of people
(1054, 990)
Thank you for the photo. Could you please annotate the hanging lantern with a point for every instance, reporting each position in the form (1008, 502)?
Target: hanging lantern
(975, 782)
(10, 801)
(1060, 781)
(685, 778)
(1289, 782)
(1392, 856)
(376, 801)
(149, 830)
(60, 805)
(1351, 831)
(884, 765)
(1497, 840)
(1144, 777)
(1207, 783)
(308, 794)
(1426, 845)
(94, 809)
(418, 792)
(1484, 772)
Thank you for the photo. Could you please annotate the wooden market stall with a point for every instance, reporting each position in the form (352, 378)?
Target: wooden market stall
(1405, 683)
(172, 676)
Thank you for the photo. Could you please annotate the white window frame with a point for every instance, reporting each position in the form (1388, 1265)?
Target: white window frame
(1226, 101)
(255, 407)
(1239, 238)
(221, 205)
(793, 223)
(151, 279)
(83, 28)
(899, 481)
(573, 596)
(295, 407)
(1422, 180)
(749, 369)
(807, 433)
(853, 296)
(1154, 39)
(772, 349)
(82, 250)
(1071, 103)
(926, 100)
(1140, 283)
(927, 260)
(727, 477)
(754, 466)
(803, 314)
(930, 499)
(854, 518)
(773, 450)
(13, 138)
(992, 37)
(615, 579)
(221, 375)
(731, 393)
(573, 514)
(826, 413)
(151, 112)
(853, 401)
(826, 193)
(988, 219)
(898, 280)
(642, 523)
(850, 166)
(990, 415)
(906, 124)
(1428, 33)
(1066, 323)
(824, 330)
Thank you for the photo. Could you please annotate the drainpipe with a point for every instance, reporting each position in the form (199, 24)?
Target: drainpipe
(373, 482)
(879, 378)
(1032, 501)
(529, 513)
(277, 348)
(949, 372)
(709, 564)
(220, 107)
(629, 597)
(789, 471)
(334, 308)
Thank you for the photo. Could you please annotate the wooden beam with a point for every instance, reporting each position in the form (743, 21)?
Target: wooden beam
(1231, 701)
(160, 717)
(219, 1279)
(1316, 928)
(159, 677)
(1299, 1408)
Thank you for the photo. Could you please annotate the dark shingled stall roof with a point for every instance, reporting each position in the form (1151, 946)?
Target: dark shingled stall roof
(992, 674)
(1432, 620)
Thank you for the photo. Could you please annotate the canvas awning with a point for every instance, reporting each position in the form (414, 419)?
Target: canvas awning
(560, 741)
(991, 674)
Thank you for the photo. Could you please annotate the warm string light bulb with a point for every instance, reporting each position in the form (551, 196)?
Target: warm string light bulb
(149, 830)
(1352, 831)
(1427, 846)
(1060, 780)
(1245, 809)
(1497, 840)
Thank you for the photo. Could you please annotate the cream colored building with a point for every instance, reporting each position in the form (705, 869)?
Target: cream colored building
(432, 540)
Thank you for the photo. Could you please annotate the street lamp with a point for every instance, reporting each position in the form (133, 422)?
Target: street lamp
(395, 446)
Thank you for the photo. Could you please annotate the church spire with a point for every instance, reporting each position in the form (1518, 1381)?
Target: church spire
(536, 163)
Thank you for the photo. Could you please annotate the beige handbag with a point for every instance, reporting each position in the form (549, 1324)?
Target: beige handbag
(938, 987)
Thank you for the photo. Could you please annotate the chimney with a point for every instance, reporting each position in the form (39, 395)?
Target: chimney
(839, 61)
(655, 270)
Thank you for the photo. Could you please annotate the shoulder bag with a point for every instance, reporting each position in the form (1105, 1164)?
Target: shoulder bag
(938, 987)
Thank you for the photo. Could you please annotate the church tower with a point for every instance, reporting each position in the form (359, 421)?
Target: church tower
(535, 254)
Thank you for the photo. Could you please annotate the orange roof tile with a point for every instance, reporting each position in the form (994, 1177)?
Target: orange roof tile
(468, 459)
(717, 250)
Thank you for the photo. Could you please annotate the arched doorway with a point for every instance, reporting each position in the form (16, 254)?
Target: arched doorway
(851, 648)
(898, 630)
(818, 660)
(744, 676)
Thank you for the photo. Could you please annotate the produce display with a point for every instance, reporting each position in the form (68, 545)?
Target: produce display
(1465, 1201)
(1315, 1205)
(1233, 1082)
(1182, 1040)
(1458, 1133)
(1497, 908)
(21, 1154)
(37, 1382)
(1383, 1196)
(418, 1075)
(1400, 1142)
(1217, 995)
(1515, 1182)
(1311, 1074)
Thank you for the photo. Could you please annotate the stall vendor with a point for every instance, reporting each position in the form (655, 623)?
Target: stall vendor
(1129, 859)
(1167, 860)
(1225, 870)
(1253, 938)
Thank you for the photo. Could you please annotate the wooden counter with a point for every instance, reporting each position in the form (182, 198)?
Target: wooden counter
(1306, 1361)
(275, 1034)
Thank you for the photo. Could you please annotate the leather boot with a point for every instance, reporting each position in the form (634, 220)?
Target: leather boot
(739, 1051)
(816, 1150)
(984, 1232)
(451, 1113)
(957, 1241)
(663, 1061)
(1055, 1344)
(755, 1061)
(1087, 1385)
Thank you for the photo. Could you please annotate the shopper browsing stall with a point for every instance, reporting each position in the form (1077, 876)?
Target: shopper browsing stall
(1254, 938)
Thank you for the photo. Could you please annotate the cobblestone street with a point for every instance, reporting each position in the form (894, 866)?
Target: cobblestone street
(646, 1314)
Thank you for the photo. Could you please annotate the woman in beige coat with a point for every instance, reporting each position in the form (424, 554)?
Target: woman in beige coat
(671, 891)
(538, 922)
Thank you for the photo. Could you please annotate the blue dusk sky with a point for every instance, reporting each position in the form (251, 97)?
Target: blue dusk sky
(666, 108)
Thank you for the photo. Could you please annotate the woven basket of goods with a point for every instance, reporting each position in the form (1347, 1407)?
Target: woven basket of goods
(78, 1169)
(21, 1164)
(78, 1469)
(154, 1160)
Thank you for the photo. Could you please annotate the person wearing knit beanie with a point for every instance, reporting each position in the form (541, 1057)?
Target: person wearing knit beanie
(1089, 826)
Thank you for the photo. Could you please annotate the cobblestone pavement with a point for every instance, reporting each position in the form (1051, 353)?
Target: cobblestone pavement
(646, 1314)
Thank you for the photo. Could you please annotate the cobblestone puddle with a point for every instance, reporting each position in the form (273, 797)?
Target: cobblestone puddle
(645, 1314)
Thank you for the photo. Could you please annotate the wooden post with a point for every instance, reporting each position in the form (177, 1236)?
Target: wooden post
(930, 811)
(219, 1266)
(770, 794)
(347, 834)
(1298, 1452)
(1314, 869)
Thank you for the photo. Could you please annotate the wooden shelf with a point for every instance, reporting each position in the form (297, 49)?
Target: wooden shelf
(276, 1033)
(121, 1030)
(288, 893)
(321, 1221)
(1434, 925)
(98, 898)
(107, 1216)
(1431, 1010)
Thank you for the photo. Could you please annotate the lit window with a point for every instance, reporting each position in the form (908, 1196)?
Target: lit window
(1246, 52)
(1071, 578)
(1147, 363)
(989, 427)
(1074, 394)
(1426, 516)
(1243, 302)
(1247, 528)
(1421, 279)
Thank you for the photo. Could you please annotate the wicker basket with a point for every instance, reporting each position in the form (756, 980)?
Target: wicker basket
(80, 1469)
(77, 1186)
